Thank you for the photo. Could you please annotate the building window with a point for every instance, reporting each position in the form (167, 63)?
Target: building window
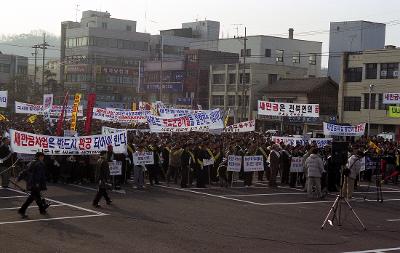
(192, 58)
(248, 52)
(232, 78)
(353, 75)
(231, 100)
(272, 78)
(389, 70)
(352, 104)
(218, 100)
(279, 55)
(246, 100)
(312, 59)
(296, 57)
(366, 100)
(381, 105)
(267, 53)
(246, 78)
(104, 25)
(129, 28)
(218, 78)
(371, 70)
(4, 68)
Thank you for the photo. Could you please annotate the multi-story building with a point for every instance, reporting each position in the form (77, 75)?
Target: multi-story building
(271, 50)
(198, 72)
(14, 76)
(319, 90)
(101, 55)
(227, 91)
(375, 71)
(352, 36)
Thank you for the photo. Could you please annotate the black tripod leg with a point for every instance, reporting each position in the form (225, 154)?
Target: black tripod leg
(355, 214)
(332, 209)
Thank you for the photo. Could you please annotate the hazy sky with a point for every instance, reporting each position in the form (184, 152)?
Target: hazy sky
(260, 16)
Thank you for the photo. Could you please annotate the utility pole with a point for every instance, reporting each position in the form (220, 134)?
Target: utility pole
(244, 75)
(371, 87)
(36, 47)
(43, 46)
(161, 65)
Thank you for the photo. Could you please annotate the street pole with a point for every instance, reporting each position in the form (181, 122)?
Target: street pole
(161, 65)
(43, 47)
(244, 74)
(371, 86)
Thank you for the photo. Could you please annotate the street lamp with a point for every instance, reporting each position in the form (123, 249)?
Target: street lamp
(371, 87)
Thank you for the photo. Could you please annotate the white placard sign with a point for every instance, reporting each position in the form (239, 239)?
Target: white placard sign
(25, 108)
(391, 98)
(337, 130)
(115, 168)
(288, 109)
(143, 158)
(234, 163)
(253, 163)
(115, 115)
(294, 141)
(297, 165)
(208, 162)
(242, 127)
(3, 98)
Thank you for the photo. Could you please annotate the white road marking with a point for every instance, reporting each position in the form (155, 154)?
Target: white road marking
(245, 201)
(56, 218)
(264, 194)
(66, 204)
(95, 189)
(374, 250)
(393, 220)
(13, 197)
(14, 208)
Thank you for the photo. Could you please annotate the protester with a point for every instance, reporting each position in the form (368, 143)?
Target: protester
(102, 175)
(5, 162)
(350, 174)
(314, 166)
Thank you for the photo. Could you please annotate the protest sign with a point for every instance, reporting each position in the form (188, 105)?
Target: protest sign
(115, 168)
(294, 141)
(242, 127)
(74, 116)
(337, 130)
(208, 162)
(297, 165)
(199, 121)
(28, 143)
(288, 109)
(25, 108)
(143, 158)
(3, 98)
(391, 98)
(253, 163)
(394, 112)
(115, 115)
(234, 163)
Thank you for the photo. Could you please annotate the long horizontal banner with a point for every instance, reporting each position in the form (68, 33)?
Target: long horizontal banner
(173, 113)
(294, 141)
(116, 115)
(198, 122)
(391, 98)
(337, 130)
(287, 109)
(394, 112)
(25, 108)
(242, 127)
(27, 143)
(109, 130)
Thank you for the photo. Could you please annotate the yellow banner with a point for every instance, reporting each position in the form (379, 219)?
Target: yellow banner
(394, 112)
(3, 118)
(77, 100)
(31, 119)
(134, 106)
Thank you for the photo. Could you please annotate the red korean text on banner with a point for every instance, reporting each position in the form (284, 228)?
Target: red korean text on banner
(91, 100)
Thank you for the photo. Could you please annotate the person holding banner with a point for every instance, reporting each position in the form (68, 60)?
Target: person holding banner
(102, 174)
(248, 175)
(154, 169)
(138, 169)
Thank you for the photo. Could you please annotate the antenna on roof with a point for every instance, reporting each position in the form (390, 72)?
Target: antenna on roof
(76, 12)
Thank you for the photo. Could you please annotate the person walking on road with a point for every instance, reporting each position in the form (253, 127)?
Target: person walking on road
(5, 162)
(35, 177)
(102, 174)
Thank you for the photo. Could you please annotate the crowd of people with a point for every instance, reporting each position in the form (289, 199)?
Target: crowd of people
(179, 157)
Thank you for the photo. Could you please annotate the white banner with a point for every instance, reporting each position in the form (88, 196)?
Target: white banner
(242, 127)
(116, 115)
(294, 141)
(110, 130)
(208, 162)
(115, 168)
(173, 113)
(199, 121)
(143, 158)
(234, 163)
(253, 163)
(391, 98)
(3, 98)
(25, 108)
(288, 109)
(337, 130)
(27, 143)
(297, 165)
(47, 101)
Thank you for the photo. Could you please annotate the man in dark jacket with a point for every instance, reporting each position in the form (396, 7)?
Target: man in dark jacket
(5, 161)
(102, 174)
(35, 177)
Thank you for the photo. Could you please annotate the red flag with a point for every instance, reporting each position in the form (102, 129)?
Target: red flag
(60, 122)
(91, 100)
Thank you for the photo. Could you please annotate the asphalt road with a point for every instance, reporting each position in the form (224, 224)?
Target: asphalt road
(169, 219)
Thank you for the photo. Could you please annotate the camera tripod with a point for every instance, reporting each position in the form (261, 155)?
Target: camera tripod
(336, 209)
(378, 184)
